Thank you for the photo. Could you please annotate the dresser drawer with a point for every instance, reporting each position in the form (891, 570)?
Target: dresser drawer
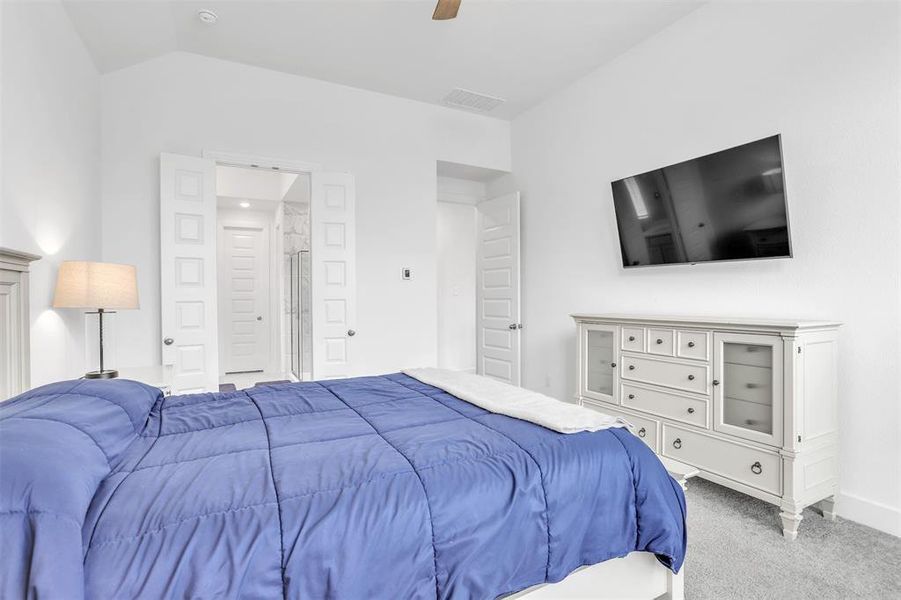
(749, 415)
(757, 468)
(693, 344)
(748, 383)
(755, 355)
(643, 427)
(680, 408)
(661, 341)
(691, 377)
(633, 339)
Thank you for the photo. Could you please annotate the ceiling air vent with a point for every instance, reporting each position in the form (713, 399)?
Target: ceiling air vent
(460, 98)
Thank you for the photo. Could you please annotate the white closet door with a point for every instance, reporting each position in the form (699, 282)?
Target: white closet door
(333, 274)
(499, 325)
(188, 272)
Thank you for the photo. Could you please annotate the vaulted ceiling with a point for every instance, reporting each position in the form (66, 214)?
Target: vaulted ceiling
(521, 51)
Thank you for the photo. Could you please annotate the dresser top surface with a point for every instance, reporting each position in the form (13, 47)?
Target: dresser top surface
(712, 322)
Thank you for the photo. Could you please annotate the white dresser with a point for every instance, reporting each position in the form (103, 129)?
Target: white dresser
(750, 403)
(15, 322)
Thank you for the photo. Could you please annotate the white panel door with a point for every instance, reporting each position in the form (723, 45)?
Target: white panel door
(244, 298)
(498, 342)
(333, 274)
(188, 272)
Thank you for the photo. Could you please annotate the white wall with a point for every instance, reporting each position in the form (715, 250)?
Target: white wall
(50, 200)
(185, 103)
(825, 76)
(457, 241)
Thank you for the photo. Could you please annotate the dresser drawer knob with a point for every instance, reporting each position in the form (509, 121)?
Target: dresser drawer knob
(691, 377)
(677, 443)
(631, 367)
(659, 341)
(642, 432)
(631, 396)
(691, 411)
(613, 365)
(691, 344)
(756, 468)
(716, 382)
(631, 338)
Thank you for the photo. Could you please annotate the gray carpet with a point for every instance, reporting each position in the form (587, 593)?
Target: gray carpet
(736, 551)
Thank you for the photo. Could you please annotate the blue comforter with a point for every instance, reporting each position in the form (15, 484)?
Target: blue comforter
(374, 487)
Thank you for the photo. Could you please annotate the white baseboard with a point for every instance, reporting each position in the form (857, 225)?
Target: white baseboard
(866, 512)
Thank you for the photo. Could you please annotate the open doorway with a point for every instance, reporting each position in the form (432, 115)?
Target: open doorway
(478, 272)
(320, 220)
(263, 252)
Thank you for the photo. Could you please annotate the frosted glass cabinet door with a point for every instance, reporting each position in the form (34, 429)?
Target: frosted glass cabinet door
(599, 373)
(748, 386)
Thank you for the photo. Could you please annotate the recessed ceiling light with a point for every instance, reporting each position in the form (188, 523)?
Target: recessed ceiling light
(244, 205)
(207, 16)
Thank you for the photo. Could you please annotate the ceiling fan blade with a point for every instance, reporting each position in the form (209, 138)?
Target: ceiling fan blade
(446, 9)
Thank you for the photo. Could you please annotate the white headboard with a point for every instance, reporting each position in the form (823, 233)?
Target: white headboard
(15, 364)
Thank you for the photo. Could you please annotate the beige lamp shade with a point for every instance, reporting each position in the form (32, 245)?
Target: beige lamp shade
(83, 284)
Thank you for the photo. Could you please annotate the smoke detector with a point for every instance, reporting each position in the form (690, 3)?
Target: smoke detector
(207, 16)
(474, 101)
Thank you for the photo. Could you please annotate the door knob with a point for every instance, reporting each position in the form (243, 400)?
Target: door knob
(351, 333)
(511, 326)
(168, 341)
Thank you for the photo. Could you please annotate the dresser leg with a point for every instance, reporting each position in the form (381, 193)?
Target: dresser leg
(790, 523)
(828, 508)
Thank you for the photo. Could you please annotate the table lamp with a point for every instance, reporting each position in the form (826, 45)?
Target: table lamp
(99, 286)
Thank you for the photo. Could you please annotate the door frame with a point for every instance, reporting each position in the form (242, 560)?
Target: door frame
(278, 165)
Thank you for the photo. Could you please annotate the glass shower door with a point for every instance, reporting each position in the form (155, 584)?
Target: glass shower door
(299, 315)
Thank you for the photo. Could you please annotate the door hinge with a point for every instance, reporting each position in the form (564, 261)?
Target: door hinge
(799, 349)
(799, 438)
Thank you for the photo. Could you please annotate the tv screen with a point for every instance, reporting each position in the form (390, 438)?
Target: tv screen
(729, 205)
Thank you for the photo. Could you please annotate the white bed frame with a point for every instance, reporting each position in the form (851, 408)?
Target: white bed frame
(638, 576)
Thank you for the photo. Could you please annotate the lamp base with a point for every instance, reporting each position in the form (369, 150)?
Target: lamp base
(107, 374)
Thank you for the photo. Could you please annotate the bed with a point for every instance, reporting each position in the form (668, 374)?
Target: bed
(372, 487)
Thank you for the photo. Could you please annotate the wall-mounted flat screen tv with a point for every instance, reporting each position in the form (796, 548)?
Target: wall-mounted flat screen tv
(729, 205)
